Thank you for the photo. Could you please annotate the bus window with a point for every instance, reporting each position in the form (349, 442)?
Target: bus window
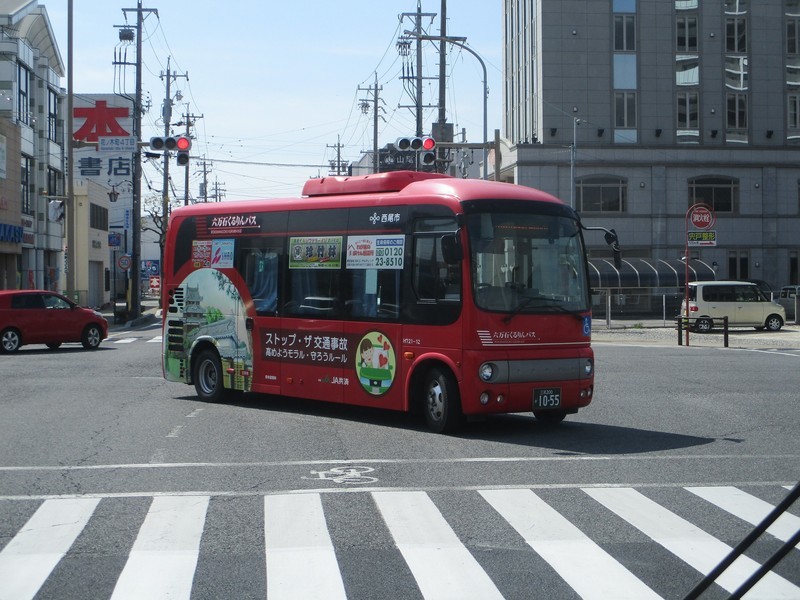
(374, 294)
(313, 293)
(259, 268)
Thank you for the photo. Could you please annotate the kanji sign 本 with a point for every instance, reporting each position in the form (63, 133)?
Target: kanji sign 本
(100, 120)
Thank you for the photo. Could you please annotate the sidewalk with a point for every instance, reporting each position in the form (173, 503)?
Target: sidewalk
(657, 331)
(151, 313)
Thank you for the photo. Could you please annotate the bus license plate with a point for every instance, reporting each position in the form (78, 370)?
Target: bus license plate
(546, 398)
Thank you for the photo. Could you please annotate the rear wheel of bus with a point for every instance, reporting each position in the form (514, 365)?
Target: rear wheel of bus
(442, 401)
(207, 376)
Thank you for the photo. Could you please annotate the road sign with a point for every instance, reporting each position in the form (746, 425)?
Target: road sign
(702, 216)
(124, 262)
(116, 143)
(702, 238)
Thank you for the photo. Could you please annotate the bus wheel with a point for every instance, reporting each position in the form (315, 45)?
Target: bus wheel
(207, 376)
(442, 402)
(549, 417)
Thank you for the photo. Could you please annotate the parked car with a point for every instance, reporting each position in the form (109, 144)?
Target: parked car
(742, 302)
(786, 299)
(42, 317)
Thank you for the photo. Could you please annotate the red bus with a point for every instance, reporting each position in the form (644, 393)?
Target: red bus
(407, 291)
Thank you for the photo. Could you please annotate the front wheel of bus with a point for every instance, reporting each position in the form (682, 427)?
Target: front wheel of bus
(442, 402)
(207, 376)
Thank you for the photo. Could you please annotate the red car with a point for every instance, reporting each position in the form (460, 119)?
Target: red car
(42, 317)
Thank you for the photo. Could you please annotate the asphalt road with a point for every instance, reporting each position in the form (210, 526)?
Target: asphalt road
(158, 494)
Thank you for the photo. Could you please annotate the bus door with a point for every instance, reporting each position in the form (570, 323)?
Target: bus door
(373, 332)
(310, 344)
(260, 268)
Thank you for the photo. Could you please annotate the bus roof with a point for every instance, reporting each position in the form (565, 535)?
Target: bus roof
(365, 189)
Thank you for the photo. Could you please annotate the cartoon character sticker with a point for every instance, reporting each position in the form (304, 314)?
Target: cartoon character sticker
(375, 363)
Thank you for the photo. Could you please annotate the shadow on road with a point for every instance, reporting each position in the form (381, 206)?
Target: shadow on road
(567, 438)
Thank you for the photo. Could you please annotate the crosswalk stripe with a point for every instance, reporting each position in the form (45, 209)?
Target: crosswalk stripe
(163, 559)
(586, 567)
(29, 558)
(689, 543)
(156, 339)
(749, 508)
(440, 563)
(301, 562)
(125, 340)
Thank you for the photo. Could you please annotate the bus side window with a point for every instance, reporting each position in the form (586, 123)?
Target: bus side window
(261, 275)
(314, 293)
(433, 278)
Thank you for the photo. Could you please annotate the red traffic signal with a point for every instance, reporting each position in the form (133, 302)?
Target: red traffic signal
(180, 143)
(415, 143)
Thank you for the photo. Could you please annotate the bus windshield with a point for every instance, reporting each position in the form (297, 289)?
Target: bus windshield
(527, 263)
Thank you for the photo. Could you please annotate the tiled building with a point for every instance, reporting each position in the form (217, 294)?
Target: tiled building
(650, 106)
(32, 157)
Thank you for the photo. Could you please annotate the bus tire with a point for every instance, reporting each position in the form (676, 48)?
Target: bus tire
(207, 376)
(442, 403)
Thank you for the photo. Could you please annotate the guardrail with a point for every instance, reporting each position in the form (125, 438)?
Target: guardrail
(683, 325)
(748, 541)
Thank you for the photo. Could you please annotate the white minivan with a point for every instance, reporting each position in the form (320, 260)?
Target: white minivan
(743, 303)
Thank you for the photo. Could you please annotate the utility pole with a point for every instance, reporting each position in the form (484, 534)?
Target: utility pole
(167, 115)
(375, 115)
(189, 120)
(403, 46)
(136, 251)
(71, 228)
(219, 192)
(336, 165)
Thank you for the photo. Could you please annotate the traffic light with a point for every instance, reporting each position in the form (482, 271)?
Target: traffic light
(408, 143)
(181, 143)
(427, 155)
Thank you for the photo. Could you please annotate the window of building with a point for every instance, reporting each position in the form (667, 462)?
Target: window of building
(688, 119)
(686, 34)
(23, 83)
(601, 194)
(628, 6)
(792, 8)
(55, 183)
(26, 201)
(793, 116)
(736, 7)
(687, 70)
(738, 264)
(736, 116)
(625, 33)
(98, 217)
(625, 72)
(736, 76)
(625, 110)
(52, 116)
(792, 35)
(720, 193)
(736, 35)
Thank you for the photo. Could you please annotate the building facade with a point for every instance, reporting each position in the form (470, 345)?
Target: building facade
(635, 110)
(32, 157)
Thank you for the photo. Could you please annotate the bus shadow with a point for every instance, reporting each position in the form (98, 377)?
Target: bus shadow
(579, 438)
(566, 438)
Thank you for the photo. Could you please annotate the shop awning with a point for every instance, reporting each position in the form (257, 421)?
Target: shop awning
(647, 273)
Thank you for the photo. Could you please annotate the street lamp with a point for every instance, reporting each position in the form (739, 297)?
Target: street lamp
(460, 42)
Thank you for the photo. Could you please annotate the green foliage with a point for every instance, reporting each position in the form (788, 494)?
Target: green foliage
(213, 315)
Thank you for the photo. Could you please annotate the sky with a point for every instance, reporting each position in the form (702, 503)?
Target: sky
(277, 83)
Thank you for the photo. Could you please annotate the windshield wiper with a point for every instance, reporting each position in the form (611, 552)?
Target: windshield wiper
(526, 301)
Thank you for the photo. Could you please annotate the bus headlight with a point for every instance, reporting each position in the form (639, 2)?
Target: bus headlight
(588, 368)
(486, 371)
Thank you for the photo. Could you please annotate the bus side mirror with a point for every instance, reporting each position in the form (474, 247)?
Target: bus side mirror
(452, 252)
(613, 240)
